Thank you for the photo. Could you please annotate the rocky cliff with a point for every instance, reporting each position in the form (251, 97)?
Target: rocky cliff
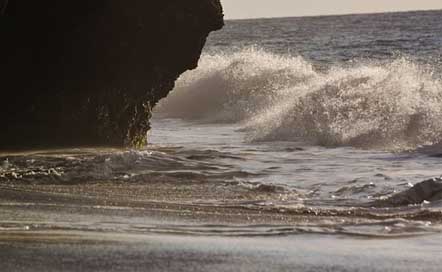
(85, 72)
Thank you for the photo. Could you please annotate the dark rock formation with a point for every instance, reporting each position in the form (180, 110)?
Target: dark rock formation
(429, 190)
(3, 4)
(89, 72)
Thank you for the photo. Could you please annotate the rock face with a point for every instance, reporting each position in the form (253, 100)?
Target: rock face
(85, 72)
(429, 190)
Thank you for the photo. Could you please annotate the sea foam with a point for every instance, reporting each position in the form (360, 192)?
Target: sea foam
(393, 105)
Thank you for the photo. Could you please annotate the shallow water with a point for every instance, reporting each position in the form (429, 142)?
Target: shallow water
(344, 175)
(214, 167)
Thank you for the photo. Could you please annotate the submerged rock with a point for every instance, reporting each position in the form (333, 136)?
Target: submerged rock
(429, 190)
(89, 72)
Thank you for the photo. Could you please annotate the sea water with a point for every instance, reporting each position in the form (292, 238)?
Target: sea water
(344, 109)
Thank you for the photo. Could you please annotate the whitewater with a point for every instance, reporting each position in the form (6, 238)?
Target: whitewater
(396, 105)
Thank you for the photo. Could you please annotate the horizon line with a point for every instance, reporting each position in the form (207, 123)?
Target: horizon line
(332, 14)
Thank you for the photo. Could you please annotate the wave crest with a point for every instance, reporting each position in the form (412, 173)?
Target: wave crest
(395, 105)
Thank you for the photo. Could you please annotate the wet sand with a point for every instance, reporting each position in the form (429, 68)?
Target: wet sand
(192, 203)
(155, 227)
(120, 252)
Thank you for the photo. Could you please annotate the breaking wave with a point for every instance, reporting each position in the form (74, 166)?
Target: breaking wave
(393, 105)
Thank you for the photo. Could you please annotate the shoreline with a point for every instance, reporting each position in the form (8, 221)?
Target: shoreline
(154, 205)
(109, 228)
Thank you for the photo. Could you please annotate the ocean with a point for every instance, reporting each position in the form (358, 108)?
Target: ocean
(289, 126)
(342, 110)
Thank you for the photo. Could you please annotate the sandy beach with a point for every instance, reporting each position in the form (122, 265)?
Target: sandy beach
(119, 252)
(108, 228)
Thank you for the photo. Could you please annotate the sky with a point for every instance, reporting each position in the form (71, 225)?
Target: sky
(240, 9)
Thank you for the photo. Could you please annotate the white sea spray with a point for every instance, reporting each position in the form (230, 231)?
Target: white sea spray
(393, 105)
